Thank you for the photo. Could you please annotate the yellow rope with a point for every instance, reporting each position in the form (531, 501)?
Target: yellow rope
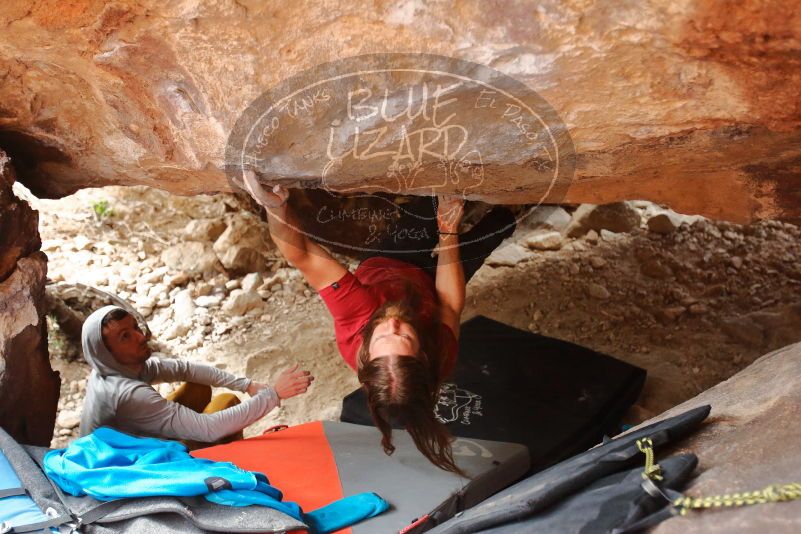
(772, 493)
(652, 470)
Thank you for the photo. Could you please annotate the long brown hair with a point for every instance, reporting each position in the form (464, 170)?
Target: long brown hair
(405, 388)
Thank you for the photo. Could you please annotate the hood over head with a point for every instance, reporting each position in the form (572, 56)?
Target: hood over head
(94, 349)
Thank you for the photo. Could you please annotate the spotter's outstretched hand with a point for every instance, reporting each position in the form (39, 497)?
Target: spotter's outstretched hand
(292, 382)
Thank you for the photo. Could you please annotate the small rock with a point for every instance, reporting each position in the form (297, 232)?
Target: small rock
(183, 307)
(239, 259)
(508, 255)
(203, 289)
(208, 301)
(143, 288)
(251, 282)
(100, 279)
(591, 236)
(698, 309)
(664, 223)
(81, 242)
(544, 241)
(597, 291)
(50, 245)
(204, 230)
(736, 262)
(672, 313)
(156, 276)
(240, 302)
(145, 303)
(615, 217)
(157, 291)
(611, 237)
(597, 262)
(176, 330)
(731, 236)
(233, 284)
(68, 419)
(178, 279)
(277, 278)
(550, 217)
(653, 268)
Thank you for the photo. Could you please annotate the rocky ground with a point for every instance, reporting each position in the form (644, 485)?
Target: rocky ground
(691, 300)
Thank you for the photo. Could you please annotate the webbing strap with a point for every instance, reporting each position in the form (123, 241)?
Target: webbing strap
(44, 526)
(11, 492)
(99, 512)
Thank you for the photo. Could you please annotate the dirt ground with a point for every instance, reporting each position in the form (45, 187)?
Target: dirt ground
(692, 306)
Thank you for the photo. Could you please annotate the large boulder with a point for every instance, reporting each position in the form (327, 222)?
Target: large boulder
(749, 442)
(192, 257)
(690, 104)
(29, 388)
(615, 217)
(243, 246)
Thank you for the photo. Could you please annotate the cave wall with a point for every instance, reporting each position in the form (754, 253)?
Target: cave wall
(29, 388)
(691, 103)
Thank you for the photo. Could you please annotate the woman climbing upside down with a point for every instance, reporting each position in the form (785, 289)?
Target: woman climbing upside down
(397, 317)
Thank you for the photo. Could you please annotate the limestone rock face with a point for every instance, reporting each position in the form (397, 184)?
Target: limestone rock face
(29, 388)
(749, 442)
(693, 104)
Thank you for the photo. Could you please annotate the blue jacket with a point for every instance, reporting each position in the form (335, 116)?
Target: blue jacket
(108, 464)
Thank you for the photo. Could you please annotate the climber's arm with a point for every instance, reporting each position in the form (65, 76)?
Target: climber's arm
(450, 282)
(318, 267)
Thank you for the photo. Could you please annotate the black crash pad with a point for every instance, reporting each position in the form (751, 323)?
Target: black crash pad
(509, 385)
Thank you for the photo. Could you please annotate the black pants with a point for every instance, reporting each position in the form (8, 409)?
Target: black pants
(415, 235)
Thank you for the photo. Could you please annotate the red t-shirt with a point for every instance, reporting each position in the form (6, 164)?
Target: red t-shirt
(353, 298)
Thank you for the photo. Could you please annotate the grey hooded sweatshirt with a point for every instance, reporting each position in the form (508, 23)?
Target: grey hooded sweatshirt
(119, 398)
